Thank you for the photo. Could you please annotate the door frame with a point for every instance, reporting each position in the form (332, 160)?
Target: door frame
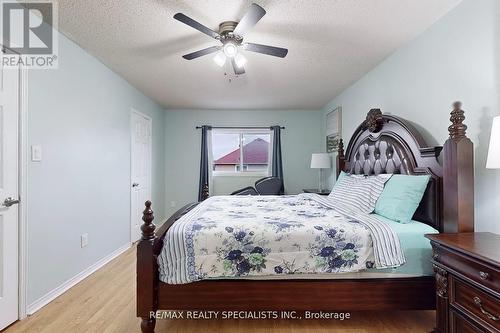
(23, 156)
(23, 193)
(134, 111)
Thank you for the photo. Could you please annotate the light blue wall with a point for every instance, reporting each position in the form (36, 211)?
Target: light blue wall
(301, 138)
(458, 58)
(80, 114)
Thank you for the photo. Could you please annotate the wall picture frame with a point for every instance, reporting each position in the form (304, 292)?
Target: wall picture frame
(333, 129)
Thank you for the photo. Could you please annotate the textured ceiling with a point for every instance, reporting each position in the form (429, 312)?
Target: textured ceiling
(331, 43)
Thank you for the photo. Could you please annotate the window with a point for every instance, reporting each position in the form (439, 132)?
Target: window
(241, 152)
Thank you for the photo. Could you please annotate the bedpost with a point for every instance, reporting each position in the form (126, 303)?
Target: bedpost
(147, 273)
(340, 158)
(205, 192)
(458, 176)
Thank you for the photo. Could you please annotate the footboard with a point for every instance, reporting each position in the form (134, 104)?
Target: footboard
(375, 294)
(148, 249)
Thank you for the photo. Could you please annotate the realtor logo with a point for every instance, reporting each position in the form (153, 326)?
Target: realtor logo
(29, 35)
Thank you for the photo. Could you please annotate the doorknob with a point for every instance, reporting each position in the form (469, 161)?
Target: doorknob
(135, 184)
(10, 201)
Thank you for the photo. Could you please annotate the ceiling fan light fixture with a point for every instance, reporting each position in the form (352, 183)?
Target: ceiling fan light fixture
(240, 60)
(230, 49)
(220, 58)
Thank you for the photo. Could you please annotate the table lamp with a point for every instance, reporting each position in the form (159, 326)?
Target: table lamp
(321, 161)
(493, 161)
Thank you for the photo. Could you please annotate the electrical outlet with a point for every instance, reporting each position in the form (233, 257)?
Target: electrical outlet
(84, 240)
(173, 203)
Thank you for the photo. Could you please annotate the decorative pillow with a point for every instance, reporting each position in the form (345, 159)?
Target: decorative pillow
(357, 192)
(401, 196)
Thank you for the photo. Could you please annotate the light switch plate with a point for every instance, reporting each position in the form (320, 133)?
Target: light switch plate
(36, 153)
(84, 240)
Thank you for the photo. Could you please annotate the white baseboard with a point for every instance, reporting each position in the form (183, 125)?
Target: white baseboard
(50, 296)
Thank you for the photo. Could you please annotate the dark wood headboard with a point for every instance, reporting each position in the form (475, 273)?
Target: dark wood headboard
(388, 144)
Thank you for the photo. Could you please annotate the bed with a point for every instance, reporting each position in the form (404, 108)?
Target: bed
(382, 144)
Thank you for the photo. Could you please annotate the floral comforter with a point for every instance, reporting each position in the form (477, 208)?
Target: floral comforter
(242, 236)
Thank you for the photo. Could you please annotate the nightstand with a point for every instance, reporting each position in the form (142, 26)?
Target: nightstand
(467, 267)
(316, 191)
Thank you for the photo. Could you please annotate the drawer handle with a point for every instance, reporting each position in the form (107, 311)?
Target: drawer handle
(478, 302)
(484, 275)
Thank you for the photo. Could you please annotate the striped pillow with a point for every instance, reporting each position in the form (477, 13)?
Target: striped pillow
(357, 192)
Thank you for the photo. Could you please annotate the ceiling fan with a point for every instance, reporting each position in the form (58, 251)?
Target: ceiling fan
(231, 35)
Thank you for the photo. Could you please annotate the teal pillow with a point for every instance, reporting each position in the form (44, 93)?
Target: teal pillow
(339, 178)
(401, 196)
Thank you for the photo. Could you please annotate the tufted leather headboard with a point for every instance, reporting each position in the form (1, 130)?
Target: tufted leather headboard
(388, 144)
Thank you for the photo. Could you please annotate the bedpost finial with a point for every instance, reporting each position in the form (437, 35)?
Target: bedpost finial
(340, 158)
(457, 128)
(374, 121)
(341, 147)
(148, 228)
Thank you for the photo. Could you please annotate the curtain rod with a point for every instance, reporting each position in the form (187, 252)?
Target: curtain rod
(240, 127)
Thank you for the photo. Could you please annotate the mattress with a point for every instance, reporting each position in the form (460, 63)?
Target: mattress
(416, 247)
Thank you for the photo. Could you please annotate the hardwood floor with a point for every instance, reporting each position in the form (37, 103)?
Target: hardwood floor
(105, 303)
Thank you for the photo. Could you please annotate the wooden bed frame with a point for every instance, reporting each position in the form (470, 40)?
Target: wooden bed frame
(382, 143)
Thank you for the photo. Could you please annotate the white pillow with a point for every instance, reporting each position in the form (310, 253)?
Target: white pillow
(357, 192)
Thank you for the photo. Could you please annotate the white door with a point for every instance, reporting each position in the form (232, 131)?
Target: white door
(9, 147)
(140, 170)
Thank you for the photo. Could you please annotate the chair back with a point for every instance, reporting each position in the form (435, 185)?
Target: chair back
(269, 186)
(249, 190)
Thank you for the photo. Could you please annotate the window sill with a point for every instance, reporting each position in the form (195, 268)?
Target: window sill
(240, 174)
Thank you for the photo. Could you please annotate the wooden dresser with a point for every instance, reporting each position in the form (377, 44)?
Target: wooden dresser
(467, 267)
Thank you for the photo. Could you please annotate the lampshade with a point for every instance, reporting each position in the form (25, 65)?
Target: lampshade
(493, 161)
(321, 161)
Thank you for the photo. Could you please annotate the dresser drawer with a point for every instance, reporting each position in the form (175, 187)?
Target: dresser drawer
(480, 306)
(469, 267)
(460, 324)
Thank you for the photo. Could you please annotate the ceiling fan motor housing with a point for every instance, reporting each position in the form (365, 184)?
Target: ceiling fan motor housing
(226, 29)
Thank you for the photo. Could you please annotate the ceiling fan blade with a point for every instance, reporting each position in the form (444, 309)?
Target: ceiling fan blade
(194, 24)
(251, 17)
(200, 53)
(266, 49)
(237, 70)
